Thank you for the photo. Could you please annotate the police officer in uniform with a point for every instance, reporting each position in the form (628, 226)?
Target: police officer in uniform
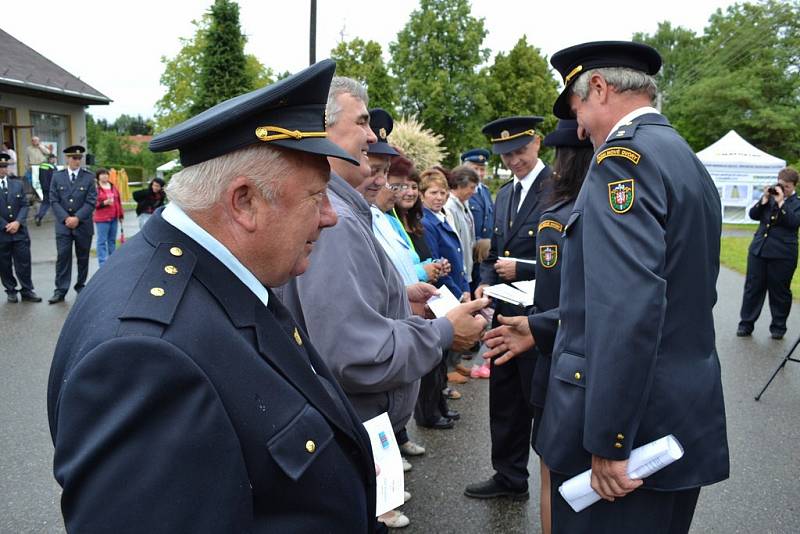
(15, 244)
(200, 406)
(517, 210)
(772, 257)
(634, 357)
(72, 195)
(480, 204)
(46, 171)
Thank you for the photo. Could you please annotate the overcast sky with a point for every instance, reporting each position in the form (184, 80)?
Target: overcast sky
(116, 46)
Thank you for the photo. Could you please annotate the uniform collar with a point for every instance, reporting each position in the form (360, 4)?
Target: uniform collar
(528, 179)
(178, 218)
(638, 112)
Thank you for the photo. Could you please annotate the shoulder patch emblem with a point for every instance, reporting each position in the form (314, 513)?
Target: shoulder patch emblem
(619, 152)
(548, 256)
(621, 195)
(557, 226)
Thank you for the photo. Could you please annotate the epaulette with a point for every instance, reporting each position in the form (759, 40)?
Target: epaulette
(626, 131)
(160, 288)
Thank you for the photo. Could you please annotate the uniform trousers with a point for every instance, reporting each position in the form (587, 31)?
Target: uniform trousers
(43, 207)
(64, 243)
(773, 276)
(510, 419)
(16, 256)
(643, 510)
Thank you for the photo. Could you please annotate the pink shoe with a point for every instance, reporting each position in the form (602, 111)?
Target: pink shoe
(482, 371)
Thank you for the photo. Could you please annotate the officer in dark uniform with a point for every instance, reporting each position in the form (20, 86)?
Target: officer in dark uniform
(46, 171)
(200, 406)
(72, 195)
(520, 334)
(517, 210)
(15, 244)
(480, 204)
(772, 257)
(634, 357)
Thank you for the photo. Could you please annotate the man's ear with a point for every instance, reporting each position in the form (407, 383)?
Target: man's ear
(599, 86)
(241, 200)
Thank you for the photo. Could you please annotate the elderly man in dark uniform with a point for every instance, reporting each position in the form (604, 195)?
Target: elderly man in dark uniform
(15, 243)
(73, 194)
(772, 257)
(200, 406)
(634, 358)
(517, 209)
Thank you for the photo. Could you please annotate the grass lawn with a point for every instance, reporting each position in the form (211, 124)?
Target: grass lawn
(733, 254)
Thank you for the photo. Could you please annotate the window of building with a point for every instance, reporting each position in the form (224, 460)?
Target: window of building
(52, 131)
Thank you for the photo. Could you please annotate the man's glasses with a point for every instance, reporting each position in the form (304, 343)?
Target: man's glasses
(397, 187)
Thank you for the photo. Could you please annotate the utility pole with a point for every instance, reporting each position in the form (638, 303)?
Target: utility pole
(312, 34)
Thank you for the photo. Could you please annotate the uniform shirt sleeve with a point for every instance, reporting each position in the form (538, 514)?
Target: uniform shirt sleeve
(55, 201)
(143, 444)
(624, 256)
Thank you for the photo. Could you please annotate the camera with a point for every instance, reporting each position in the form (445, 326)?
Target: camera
(773, 189)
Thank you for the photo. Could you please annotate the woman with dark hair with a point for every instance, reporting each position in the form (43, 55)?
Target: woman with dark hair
(519, 334)
(108, 210)
(149, 200)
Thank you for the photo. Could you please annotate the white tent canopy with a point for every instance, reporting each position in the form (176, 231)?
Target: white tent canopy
(168, 166)
(740, 172)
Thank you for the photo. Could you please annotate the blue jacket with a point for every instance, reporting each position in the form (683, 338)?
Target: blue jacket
(776, 236)
(73, 199)
(482, 211)
(13, 207)
(443, 242)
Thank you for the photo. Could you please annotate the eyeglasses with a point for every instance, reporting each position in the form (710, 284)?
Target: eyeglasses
(397, 187)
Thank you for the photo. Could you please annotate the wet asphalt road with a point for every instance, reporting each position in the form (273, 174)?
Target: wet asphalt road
(760, 497)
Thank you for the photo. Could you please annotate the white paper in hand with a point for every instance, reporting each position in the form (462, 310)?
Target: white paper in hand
(443, 302)
(643, 462)
(387, 456)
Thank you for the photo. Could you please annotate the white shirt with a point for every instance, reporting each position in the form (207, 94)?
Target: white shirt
(630, 116)
(175, 216)
(528, 180)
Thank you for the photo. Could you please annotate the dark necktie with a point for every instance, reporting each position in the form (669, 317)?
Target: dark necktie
(72, 177)
(3, 186)
(514, 203)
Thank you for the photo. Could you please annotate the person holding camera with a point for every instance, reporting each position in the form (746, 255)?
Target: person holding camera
(772, 257)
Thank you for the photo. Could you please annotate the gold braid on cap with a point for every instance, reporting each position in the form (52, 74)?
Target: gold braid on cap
(275, 133)
(507, 137)
(572, 73)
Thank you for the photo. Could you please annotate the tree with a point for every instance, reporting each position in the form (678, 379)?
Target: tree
(112, 148)
(181, 79)
(521, 83)
(435, 61)
(363, 61)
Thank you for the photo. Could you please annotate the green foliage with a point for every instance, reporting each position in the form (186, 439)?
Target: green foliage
(223, 72)
(740, 75)
(113, 150)
(420, 145)
(435, 60)
(363, 61)
(733, 255)
(181, 77)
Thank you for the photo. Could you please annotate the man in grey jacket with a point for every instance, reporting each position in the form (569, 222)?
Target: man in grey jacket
(353, 303)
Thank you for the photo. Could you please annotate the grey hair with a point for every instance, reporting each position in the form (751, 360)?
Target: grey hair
(199, 187)
(623, 79)
(342, 85)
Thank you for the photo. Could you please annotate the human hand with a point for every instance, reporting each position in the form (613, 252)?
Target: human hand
(610, 478)
(509, 340)
(72, 222)
(465, 297)
(466, 327)
(479, 291)
(506, 269)
(433, 270)
(446, 267)
(779, 195)
(420, 292)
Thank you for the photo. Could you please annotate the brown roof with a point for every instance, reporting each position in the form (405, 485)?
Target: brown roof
(24, 70)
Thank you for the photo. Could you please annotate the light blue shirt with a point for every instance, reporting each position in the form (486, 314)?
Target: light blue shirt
(175, 216)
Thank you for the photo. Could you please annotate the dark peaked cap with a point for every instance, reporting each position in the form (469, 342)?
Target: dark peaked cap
(575, 60)
(289, 114)
(382, 125)
(566, 134)
(510, 133)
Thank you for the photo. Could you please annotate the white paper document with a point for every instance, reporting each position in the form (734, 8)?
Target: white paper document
(520, 260)
(443, 302)
(521, 295)
(643, 462)
(387, 457)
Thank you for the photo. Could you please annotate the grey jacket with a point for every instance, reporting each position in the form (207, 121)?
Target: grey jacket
(353, 305)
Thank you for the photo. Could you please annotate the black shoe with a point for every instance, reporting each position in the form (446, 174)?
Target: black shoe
(777, 335)
(31, 297)
(78, 288)
(491, 489)
(12, 297)
(441, 423)
(452, 414)
(38, 221)
(57, 297)
(744, 332)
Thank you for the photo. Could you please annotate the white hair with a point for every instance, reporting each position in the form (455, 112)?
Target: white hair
(623, 79)
(200, 186)
(341, 85)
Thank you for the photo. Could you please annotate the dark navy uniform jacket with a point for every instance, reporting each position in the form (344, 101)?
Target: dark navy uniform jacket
(198, 410)
(443, 243)
(73, 199)
(13, 207)
(482, 212)
(543, 317)
(634, 357)
(519, 240)
(776, 236)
